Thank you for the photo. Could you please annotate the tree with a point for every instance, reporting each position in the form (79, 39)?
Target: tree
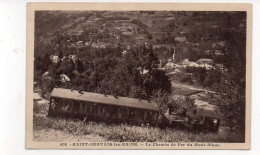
(67, 67)
(144, 59)
(47, 84)
(82, 82)
(232, 87)
(213, 77)
(156, 80)
(150, 37)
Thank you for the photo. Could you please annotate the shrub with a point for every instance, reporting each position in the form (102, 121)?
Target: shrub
(127, 133)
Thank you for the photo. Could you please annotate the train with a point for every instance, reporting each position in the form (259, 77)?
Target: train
(97, 107)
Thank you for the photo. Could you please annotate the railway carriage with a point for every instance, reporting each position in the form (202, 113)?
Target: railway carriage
(106, 108)
(100, 107)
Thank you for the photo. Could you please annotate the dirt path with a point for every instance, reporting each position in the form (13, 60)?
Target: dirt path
(51, 135)
(180, 85)
(40, 100)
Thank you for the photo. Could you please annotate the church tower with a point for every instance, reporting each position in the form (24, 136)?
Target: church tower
(173, 55)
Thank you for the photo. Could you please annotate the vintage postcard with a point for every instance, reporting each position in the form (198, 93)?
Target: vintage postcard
(138, 75)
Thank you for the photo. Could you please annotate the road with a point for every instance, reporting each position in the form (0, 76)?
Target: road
(180, 85)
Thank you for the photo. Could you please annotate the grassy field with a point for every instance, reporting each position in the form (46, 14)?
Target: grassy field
(125, 133)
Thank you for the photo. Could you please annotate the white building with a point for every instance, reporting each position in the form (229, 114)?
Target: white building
(208, 52)
(180, 39)
(64, 58)
(142, 71)
(218, 52)
(172, 65)
(124, 53)
(74, 58)
(205, 61)
(173, 55)
(185, 62)
(64, 78)
(54, 58)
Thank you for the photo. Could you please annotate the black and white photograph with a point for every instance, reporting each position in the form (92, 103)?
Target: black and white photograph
(159, 77)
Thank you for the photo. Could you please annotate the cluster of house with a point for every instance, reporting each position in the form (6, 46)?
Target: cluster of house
(56, 59)
(215, 49)
(98, 44)
(126, 30)
(180, 39)
(203, 62)
(62, 77)
(127, 48)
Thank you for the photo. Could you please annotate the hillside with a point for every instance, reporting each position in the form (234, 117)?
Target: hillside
(190, 33)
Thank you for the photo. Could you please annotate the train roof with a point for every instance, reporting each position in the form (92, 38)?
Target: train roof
(104, 99)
